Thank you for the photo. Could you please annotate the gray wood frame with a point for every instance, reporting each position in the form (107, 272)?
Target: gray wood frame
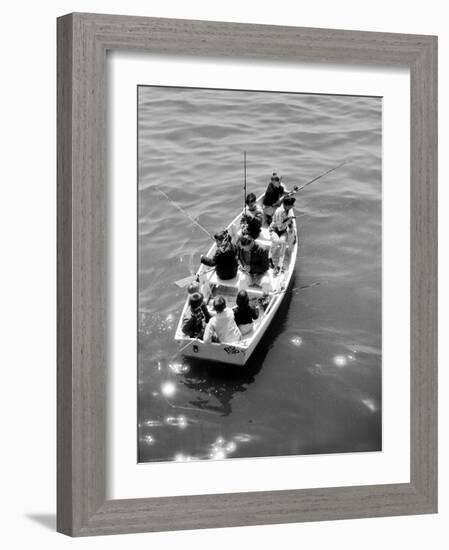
(83, 40)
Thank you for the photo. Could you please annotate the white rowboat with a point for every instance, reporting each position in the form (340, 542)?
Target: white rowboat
(238, 353)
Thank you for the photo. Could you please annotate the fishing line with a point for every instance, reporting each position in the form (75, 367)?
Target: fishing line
(321, 176)
(184, 212)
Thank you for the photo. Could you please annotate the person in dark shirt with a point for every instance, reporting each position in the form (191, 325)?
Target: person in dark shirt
(244, 313)
(225, 258)
(196, 318)
(252, 218)
(195, 287)
(254, 264)
(272, 198)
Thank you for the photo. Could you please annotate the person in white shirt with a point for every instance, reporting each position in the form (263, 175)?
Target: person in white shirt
(281, 232)
(222, 327)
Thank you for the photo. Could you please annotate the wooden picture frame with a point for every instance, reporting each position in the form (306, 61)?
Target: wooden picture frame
(83, 40)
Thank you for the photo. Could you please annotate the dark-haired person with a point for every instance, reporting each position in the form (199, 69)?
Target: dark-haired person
(252, 219)
(225, 258)
(282, 232)
(195, 287)
(222, 327)
(273, 197)
(196, 318)
(254, 265)
(244, 313)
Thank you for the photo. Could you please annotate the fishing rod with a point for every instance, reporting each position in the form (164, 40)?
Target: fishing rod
(244, 182)
(316, 283)
(296, 188)
(287, 291)
(185, 213)
(321, 176)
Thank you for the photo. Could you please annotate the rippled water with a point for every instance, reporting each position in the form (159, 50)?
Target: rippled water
(314, 384)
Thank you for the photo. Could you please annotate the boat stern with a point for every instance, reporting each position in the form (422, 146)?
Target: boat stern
(221, 353)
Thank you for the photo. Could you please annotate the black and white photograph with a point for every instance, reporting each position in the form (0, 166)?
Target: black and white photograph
(259, 274)
(220, 297)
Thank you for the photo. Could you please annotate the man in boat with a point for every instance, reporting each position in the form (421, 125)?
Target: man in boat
(222, 327)
(196, 318)
(254, 264)
(252, 219)
(272, 198)
(281, 232)
(225, 258)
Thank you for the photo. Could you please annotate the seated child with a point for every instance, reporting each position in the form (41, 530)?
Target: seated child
(195, 319)
(195, 287)
(222, 327)
(244, 313)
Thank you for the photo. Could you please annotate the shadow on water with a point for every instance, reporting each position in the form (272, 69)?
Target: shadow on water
(216, 381)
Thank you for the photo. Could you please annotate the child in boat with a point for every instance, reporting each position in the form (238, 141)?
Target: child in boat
(224, 260)
(273, 197)
(244, 313)
(222, 327)
(281, 232)
(254, 262)
(195, 287)
(252, 219)
(196, 318)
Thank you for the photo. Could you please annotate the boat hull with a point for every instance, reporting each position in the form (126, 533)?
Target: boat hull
(238, 353)
(220, 353)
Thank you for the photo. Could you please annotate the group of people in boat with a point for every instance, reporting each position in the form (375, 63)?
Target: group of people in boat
(223, 324)
(241, 254)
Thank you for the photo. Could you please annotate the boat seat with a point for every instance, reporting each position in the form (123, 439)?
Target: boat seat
(276, 283)
(233, 283)
(214, 280)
